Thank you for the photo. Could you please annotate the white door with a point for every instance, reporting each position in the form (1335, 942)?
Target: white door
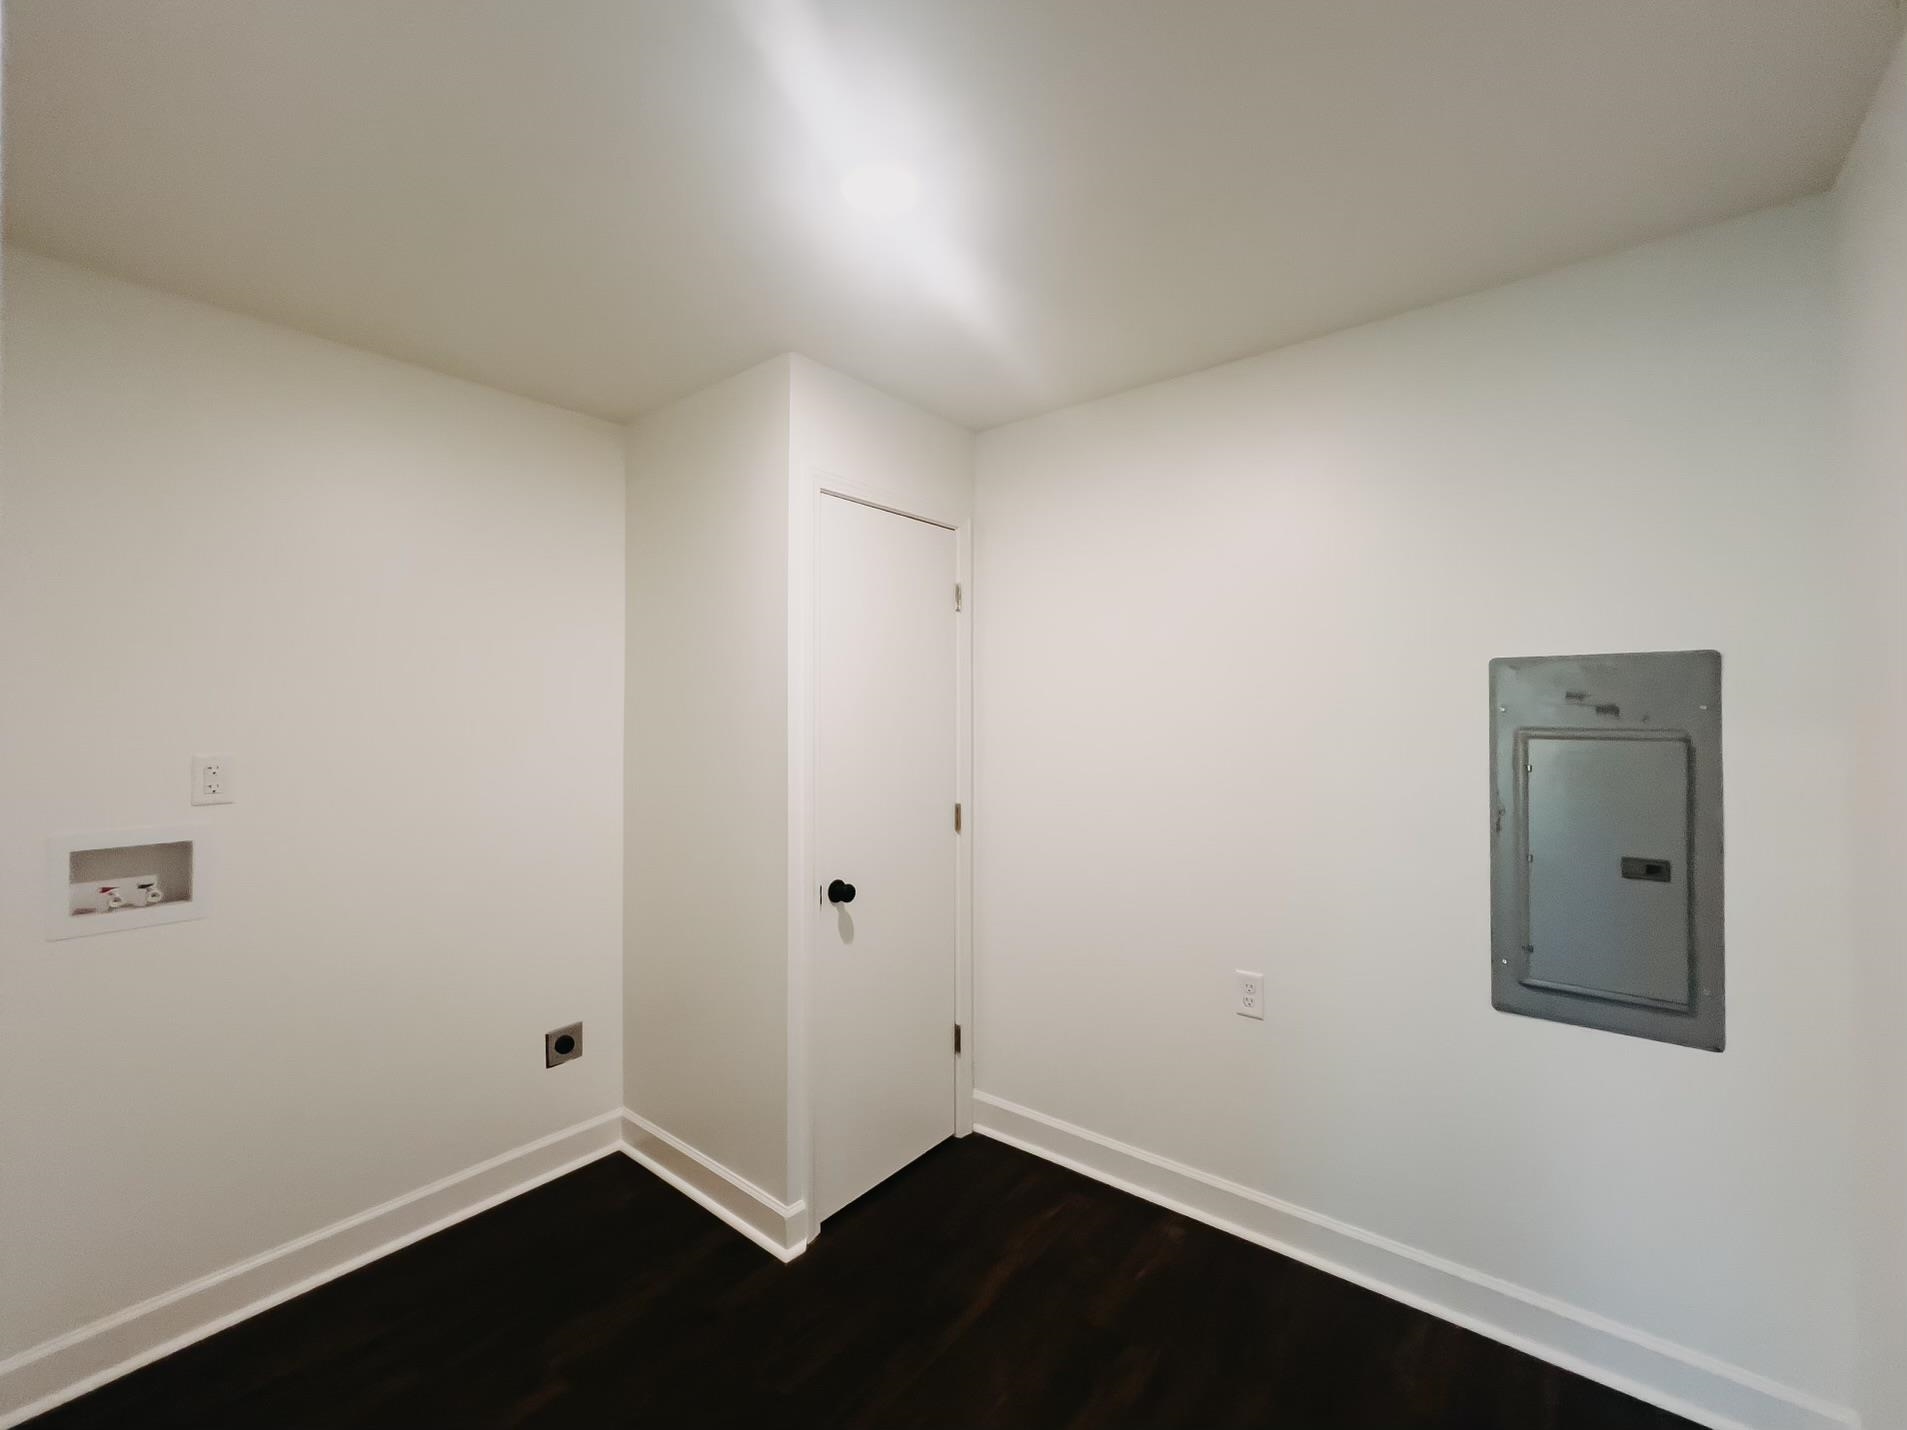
(882, 983)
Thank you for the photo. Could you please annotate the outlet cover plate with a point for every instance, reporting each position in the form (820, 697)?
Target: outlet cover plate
(1248, 997)
(212, 779)
(563, 1045)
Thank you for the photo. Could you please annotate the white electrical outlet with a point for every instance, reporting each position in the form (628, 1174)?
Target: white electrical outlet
(1248, 998)
(212, 779)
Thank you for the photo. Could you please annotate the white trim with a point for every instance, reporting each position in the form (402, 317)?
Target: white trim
(1699, 1387)
(68, 1365)
(56, 1370)
(772, 1224)
(735, 1179)
(803, 502)
(963, 846)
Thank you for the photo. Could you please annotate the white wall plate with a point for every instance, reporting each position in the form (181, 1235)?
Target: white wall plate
(185, 873)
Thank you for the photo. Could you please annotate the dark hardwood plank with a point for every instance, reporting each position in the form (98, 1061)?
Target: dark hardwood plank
(981, 1287)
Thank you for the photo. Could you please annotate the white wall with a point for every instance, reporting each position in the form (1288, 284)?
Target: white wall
(1871, 206)
(1232, 636)
(852, 437)
(706, 982)
(395, 599)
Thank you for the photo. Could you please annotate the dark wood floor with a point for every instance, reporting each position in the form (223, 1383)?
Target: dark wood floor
(981, 1287)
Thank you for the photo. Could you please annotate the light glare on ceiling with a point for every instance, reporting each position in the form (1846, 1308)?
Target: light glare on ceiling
(881, 190)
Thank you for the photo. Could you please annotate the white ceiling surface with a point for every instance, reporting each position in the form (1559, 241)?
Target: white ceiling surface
(608, 203)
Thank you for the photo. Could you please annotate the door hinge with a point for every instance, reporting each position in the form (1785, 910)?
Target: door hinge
(957, 595)
(956, 1039)
(956, 816)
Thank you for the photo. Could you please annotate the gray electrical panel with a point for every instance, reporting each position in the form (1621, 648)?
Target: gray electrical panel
(1606, 844)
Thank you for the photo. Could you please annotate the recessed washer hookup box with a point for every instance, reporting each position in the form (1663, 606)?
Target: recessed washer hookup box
(119, 879)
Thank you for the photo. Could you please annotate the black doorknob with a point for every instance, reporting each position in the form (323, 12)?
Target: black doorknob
(840, 891)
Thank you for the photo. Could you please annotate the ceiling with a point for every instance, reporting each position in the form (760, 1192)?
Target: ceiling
(609, 203)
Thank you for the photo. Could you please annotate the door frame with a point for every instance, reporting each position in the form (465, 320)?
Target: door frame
(811, 486)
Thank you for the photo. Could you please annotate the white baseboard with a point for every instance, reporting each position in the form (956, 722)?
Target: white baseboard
(1689, 1383)
(57, 1370)
(69, 1365)
(770, 1223)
